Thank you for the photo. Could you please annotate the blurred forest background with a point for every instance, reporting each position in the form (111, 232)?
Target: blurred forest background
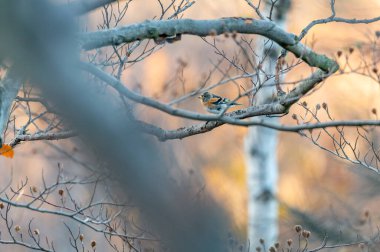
(322, 193)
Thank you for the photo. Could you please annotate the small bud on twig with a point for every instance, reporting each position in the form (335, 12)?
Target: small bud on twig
(298, 228)
(272, 249)
(234, 34)
(306, 234)
(277, 245)
(212, 32)
(34, 189)
(17, 228)
(366, 213)
(289, 242)
(93, 244)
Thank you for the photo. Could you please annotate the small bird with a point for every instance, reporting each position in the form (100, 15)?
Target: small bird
(214, 103)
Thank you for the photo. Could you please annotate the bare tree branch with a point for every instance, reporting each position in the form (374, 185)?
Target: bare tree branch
(333, 18)
(256, 8)
(170, 28)
(279, 105)
(42, 136)
(184, 132)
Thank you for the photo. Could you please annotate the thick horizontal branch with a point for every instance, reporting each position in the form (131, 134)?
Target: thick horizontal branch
(266, 109)
(184, 132)
(311, 126)
(303, 88)
(169, 28)
(42, 136)
(279, 105)
(154, 29)
(180, 133)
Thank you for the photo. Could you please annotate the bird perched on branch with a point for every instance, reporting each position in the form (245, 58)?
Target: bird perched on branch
(216, 104)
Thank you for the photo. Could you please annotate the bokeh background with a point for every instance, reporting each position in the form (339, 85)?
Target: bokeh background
(316, 190)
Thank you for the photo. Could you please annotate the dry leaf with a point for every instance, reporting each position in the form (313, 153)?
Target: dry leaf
(6, 151)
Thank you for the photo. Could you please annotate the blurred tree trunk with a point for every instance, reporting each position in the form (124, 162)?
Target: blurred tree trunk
(9, 87)
(49, 61)
(261, 146)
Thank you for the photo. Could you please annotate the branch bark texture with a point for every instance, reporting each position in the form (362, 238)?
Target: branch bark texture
(168, 28)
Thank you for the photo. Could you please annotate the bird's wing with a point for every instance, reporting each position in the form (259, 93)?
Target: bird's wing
(226, 101)
(215, 100)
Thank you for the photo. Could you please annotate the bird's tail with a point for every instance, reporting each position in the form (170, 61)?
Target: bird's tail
(228, 101)
(236, 104)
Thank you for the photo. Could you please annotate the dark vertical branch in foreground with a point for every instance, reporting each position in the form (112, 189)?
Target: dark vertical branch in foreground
(9, 87)
(45, 52)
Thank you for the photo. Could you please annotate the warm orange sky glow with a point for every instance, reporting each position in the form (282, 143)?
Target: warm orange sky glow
(311, 180)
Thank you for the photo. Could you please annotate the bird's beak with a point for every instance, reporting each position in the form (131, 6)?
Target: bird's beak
(199, 97)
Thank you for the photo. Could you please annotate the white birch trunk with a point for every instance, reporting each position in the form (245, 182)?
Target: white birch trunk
(261, 154)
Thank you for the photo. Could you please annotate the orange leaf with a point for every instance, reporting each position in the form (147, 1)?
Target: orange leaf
(6, 151)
